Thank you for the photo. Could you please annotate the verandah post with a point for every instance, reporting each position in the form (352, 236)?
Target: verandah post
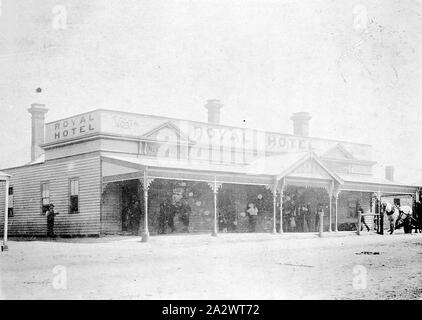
(6, 216)
(321, 222)
(359, 223)
(145, 182)
(274, 192)
(214, 186)
(145, 234)
(281, 205)
(330, 195)
(215, 231)
(331, 213)
(336, 194)
(381, 214)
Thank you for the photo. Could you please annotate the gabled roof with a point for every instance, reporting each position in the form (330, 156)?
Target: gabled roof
(170, 125)
(373, 180)
(338, 152)
(276, 164)
(284, 164)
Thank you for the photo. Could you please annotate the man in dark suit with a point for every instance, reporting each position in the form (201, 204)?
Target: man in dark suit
(50, 220)
(184, 212)
(170, 212)
(362, 220)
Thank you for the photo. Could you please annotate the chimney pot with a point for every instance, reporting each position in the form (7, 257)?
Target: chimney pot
(389, 173)
(301, 123)
(37, 112)
(213, 107)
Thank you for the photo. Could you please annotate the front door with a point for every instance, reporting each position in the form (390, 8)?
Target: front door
(131, 209)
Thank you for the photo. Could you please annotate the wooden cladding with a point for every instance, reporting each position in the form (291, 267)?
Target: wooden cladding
(28, 197)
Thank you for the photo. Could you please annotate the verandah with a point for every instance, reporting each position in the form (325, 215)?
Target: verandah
(304, 171)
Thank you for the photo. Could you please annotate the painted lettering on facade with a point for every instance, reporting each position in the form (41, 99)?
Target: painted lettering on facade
(185, 138)
(278, 142)
(74, 127)
(125, 123)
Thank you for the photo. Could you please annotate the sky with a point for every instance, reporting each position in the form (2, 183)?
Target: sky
(354, 65)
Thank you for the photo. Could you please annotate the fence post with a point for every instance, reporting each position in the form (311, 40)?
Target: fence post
(359, 222)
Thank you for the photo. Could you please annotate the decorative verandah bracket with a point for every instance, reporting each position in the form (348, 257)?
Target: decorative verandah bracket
(215, 186)
(145, 182)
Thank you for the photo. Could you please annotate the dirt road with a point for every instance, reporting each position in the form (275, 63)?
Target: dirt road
(230, 266)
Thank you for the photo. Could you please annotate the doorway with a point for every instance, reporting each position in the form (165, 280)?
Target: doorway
(132, 205)
(300, 209)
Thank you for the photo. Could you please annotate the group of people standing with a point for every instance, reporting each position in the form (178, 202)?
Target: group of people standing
(301, 218)
(169, 211)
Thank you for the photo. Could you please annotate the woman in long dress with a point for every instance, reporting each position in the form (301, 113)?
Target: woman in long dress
(253, 216)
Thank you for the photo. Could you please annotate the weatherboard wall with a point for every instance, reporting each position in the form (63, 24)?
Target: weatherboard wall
(26, 182)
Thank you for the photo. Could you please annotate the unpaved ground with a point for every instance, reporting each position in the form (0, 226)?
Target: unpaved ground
(231, 266)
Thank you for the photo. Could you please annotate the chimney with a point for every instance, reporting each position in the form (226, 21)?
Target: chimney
(389, 173)
(37, 112)
(301, 123)
(214, 107)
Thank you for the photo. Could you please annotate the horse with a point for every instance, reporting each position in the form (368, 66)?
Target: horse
(399, 217)
(405, 219)
(392, 212)
(418, 217)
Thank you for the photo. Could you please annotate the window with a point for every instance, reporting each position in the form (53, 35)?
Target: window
(45, 196)
(10, 212)
(74, 196)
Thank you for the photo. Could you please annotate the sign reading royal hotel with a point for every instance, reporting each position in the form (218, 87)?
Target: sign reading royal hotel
(71, 127)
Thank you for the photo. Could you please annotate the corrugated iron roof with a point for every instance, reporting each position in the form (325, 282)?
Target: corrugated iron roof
(277, 165)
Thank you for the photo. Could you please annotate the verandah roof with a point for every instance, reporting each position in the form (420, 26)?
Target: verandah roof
(264, 171)
(4, 176)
